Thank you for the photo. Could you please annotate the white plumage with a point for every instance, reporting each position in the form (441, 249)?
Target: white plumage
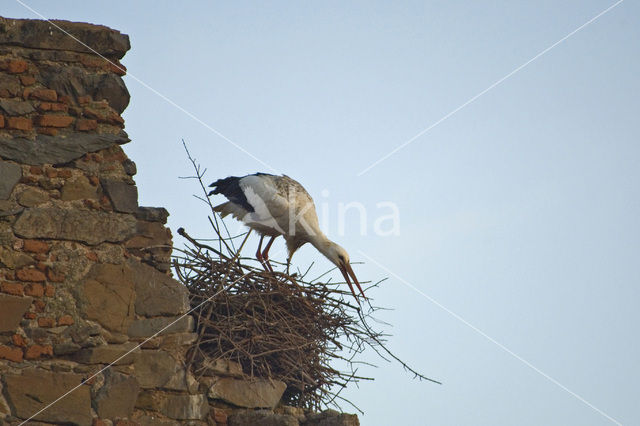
(278, 205)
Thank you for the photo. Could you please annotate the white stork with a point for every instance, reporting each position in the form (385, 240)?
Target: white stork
(278, 205)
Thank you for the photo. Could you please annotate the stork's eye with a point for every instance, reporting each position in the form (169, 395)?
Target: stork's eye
(341, 257)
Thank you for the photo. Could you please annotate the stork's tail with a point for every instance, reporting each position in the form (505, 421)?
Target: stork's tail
(230, 188)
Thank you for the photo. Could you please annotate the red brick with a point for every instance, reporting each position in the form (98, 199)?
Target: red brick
(35, 170)
(12, 288)
(19, 123)
(84, 99)
(36, 351)
(27, 80)
(51, 131)
(44, 95)
(39, 305)
(86, 124)
(35, 290)
(52, 173)
(98, 422)
(64, 173)
(92, 256)
(36, 246)
(1, 121)
(18, 340)
(117, 68)
(30, 315)
(49, 290)
(53, 106)
(55, 277)
(30, 275)
(219, 415)
(46, 322)
(12, 354)
(16, 66)
(65, 320)
(51, 120)
(93, 180)
(26, 92)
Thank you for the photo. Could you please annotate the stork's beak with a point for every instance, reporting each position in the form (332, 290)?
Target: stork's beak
(348, 274)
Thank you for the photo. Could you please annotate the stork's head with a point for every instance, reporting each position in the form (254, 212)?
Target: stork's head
(340, 258)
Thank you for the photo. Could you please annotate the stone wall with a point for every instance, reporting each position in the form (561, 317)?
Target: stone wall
(84, 271)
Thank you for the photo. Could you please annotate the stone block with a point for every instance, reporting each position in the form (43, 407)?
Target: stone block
(109, 296)
(149, 326)
(248, 393)
(123, 196)
(40, 34)
(78, 189)
(106, 354)
(152, 214)
(186, 407)
(262, 418)
(10, 174)
(13, 308)
(91, 227)
(154, 368)
(32, 197)
(13, 107)
(157, 293)
(47, 149)
(14, 259)
(331, 418)
(34, 389)
(117, 396)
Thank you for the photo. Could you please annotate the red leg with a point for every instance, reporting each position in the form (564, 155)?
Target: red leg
(259, 253)
(265, 254)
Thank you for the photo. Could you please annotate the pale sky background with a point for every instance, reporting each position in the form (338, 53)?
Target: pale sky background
(519, 213)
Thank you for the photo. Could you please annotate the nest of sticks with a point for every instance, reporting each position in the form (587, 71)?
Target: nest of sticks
(306, 332)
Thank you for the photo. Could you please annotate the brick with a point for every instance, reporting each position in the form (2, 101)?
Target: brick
(86, 124)
(16, 66)
(44, 95)
(30, 275)
(1, 121)
(35, 170)
(219, 415)
(30, 315)
(84, 99)
(35, 246)
(12, 354)
(35, 290)
(65, 320)
(36, 351)
(51, 120)
(55, 277)
(64, 173)
(46, 322)
(123, 422)
(51, 173)
(117, 68)
(49, 290)
(27, 80)
(19, 123)
(41, 266)
(39, 305)
(53, 106)
(51, 131)
(16, 289)
(18, 340)
(92, 256)
(98, 422)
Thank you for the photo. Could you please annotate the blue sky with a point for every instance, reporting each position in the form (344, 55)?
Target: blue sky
(518, 213)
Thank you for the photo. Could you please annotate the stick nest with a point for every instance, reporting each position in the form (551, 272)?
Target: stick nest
(277, 326)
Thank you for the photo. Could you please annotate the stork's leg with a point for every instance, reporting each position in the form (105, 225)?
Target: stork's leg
(259, 253)
(265, 254)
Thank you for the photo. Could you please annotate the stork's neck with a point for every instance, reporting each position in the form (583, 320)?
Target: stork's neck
(321, 243)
